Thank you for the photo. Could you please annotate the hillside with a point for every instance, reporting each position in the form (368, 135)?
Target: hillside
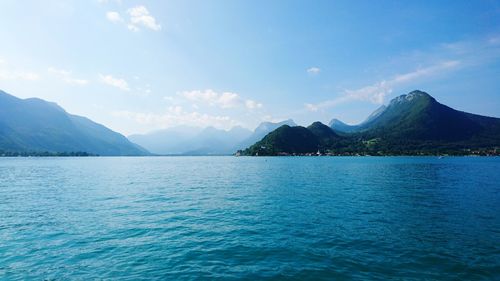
(35, 125)
(412, 124)
(285, 140)
(261, 131)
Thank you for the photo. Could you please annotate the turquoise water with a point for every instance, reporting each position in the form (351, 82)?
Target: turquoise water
(226, 218)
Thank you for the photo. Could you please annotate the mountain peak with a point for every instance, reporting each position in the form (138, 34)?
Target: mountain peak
(285, 139)
(317, 124)
(412, 96)
(269, 126)
(322, 131)
(336, 121)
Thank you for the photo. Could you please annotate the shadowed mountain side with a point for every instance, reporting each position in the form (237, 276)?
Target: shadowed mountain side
(418, 116)
(411, 124)
(35, 125)
(287, 140)
(325, 135)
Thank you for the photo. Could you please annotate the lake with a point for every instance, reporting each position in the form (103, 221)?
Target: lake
(227, 218)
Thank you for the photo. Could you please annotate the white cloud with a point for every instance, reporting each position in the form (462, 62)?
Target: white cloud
(27, 76)
(208, 96)
(251, 104)
(377, 92)
(313, 70)
(176, 115)
(9, 72)
(228, 100)
(140, 16)
(114, 17)
(18, 75)
(115, 82)
(312, 107)
(223, 100)
(459, 55)
(177, 109)
(132, 27)
(65, 75)
(168, 98)
(143, 91)
(109, 1)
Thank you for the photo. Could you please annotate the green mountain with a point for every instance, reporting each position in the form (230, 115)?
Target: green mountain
(261, 131)
(285, 139)
(419, 116)
(34, 125)
(325, 135)
(414, 123)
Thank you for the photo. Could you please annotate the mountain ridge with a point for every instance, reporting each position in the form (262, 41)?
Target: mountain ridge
(414, 123)
(34, 125)
(185, 140)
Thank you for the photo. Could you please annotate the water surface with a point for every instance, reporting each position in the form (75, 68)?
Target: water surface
(227, 218)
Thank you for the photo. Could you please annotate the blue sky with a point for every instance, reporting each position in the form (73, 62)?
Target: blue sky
(137, 66)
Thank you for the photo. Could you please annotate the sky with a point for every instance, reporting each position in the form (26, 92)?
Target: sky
(139, 66)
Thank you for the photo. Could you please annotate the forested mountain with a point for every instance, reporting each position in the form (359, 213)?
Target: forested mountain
(411, 124)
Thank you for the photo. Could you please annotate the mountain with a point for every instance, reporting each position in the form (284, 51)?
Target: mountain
(184, 140)
(262, 130)
(342, 127)
(285, 140)
(35, 125)
(418, 116)
(373, 116)
(414, 123)
(167, 141)
(212, 141)
(325, 135)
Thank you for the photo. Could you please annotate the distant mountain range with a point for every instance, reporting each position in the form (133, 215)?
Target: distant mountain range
(185, 140)
(33, 126)
(411, 124)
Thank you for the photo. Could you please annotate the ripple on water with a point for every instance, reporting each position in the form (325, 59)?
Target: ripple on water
(297, 218)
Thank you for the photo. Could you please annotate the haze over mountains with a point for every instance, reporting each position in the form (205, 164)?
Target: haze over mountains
(411, 124)
(185, 140)
(414, 123)
(35, 125)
